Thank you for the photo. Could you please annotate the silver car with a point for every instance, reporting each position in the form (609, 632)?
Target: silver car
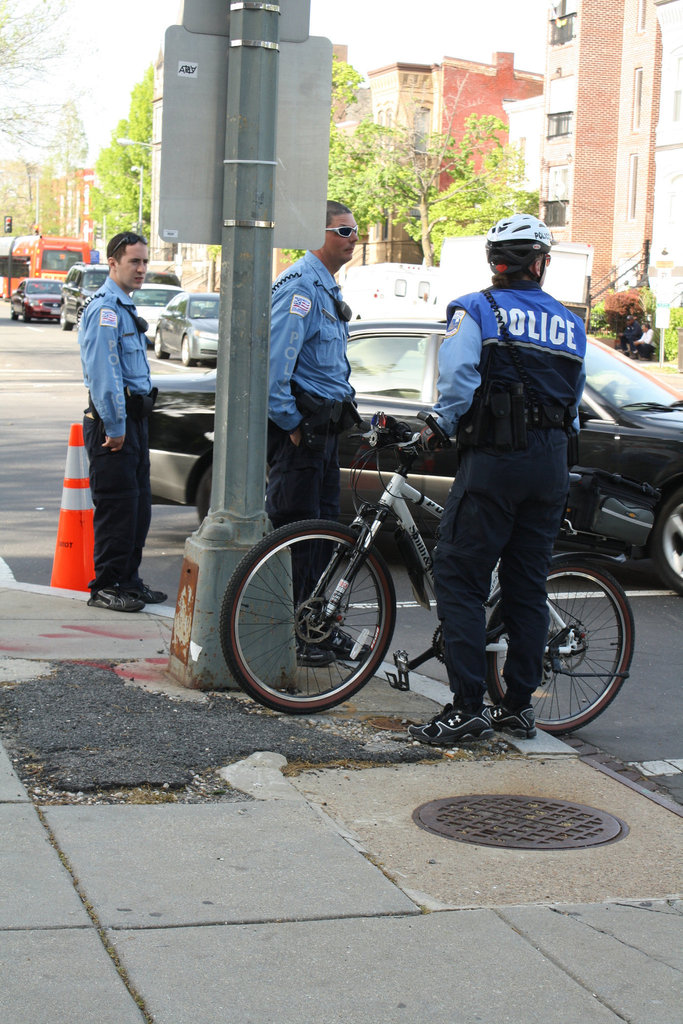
(188, 328)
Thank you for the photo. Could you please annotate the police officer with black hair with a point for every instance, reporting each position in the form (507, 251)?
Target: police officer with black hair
(511, 376)
(116, 372)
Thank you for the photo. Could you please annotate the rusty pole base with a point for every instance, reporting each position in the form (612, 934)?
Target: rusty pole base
(196, 657)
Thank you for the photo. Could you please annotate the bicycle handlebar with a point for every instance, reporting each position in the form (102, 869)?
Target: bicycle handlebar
(386, 431)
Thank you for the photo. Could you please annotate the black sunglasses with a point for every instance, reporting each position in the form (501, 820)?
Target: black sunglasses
(129, 238)
(344, 231)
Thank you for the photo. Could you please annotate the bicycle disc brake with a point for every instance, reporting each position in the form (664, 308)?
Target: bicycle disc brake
(309, 623)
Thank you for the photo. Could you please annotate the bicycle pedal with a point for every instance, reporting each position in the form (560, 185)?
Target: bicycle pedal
(398, 681)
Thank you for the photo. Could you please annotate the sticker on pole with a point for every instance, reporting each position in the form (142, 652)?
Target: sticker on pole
(188, 69)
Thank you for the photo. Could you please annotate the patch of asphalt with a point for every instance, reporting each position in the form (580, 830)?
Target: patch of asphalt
(83, 729)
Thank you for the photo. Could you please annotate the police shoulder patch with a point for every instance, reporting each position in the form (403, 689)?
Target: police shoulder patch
(456, 320)
(108, 317)
(300, 305)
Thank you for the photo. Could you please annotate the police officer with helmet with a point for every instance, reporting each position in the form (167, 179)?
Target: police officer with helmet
(511, 376)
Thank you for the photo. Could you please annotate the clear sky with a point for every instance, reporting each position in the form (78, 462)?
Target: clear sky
(110, 50)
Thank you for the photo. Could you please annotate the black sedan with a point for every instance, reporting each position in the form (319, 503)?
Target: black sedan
(631, 424)
(36, 299)
(188, 327)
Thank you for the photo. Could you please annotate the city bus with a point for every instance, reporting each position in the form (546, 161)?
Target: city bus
(38, 256)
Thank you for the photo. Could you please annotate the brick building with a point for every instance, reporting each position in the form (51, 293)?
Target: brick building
(602, 87)
(438, 98)
(666, 264)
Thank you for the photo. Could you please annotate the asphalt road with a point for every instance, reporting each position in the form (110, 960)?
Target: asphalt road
(42, 394)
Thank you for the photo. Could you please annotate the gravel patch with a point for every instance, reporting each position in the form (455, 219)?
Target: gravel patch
(81, 735)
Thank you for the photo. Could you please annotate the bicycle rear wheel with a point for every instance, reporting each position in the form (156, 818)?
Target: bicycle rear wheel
(274, 608)
(589, 650)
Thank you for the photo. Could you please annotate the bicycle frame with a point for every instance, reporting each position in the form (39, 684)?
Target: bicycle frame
(394, 499)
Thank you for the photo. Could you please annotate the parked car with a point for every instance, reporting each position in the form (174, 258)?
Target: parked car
(36, 299)
(82, 281)
(150, 301)
(631, 424)
(162, 277)
(188, 328)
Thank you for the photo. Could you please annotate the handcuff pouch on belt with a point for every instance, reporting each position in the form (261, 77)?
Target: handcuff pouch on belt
(138, 407)
(496, 419)
(323, 417)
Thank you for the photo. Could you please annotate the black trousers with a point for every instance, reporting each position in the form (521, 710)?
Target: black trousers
(302, 484)
(508, 507)
(121, 494)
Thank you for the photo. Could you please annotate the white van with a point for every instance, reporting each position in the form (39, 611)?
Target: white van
(393, 290)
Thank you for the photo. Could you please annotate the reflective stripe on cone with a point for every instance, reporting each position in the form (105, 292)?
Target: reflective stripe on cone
(73, 567)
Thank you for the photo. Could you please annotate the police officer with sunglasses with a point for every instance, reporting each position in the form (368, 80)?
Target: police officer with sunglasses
(310, 398)
(113, 343)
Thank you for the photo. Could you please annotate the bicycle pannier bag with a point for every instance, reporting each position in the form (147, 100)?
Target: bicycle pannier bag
(611, 505)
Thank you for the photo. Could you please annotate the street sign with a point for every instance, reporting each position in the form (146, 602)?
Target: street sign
(212, 17)
(193, 139)
(662, 315)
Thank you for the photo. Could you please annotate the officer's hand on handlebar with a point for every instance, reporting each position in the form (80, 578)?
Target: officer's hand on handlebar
(432, 437)
(429, 440)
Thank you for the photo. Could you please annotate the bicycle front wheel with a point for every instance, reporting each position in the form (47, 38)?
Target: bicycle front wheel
(275, 617)
(588, 653)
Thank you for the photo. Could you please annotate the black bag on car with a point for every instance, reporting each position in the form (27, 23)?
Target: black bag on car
(611, 505)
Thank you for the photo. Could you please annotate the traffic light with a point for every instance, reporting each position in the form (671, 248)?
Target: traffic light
(8, 225)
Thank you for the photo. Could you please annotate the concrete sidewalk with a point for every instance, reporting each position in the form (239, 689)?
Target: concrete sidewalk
(316, 896)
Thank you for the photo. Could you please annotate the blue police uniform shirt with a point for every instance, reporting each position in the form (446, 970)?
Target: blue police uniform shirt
(550, 340)
(307, 340)
(113, 355)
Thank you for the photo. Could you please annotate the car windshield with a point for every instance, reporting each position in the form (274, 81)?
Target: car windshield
(43, 288)
(203, 309)
(94, 278)
(621, 385)
(153, 297)
(391, 365)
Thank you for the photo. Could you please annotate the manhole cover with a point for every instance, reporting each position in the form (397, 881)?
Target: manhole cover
(519, 822)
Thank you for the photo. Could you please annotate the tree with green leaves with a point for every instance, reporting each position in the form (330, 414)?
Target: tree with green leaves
(430, 183)
(116, 199)
(30, 41)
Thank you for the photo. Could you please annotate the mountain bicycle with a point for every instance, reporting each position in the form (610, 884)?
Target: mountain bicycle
(308, 582)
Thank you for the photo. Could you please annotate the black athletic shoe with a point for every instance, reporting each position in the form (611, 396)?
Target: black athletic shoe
(521, 722)
(313, 655)
(453, 724)
(342, 646)
(149, 596)
(116, 600)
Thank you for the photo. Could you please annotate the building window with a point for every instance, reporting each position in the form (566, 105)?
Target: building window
(556, 214)
(558, 195)
(562, 30)
(632, 186)
(558, 182)
(640, 17)
(421, 119)
(562, 9)
(560, 124)
(637, 97)
(678, 91)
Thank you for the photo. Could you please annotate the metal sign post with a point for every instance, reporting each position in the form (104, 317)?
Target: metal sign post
(237, 518)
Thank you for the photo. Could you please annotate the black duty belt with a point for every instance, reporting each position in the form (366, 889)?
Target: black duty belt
(138, 407)
(545, 416)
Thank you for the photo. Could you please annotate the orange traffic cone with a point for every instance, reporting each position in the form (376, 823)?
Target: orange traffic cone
(73, 565)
